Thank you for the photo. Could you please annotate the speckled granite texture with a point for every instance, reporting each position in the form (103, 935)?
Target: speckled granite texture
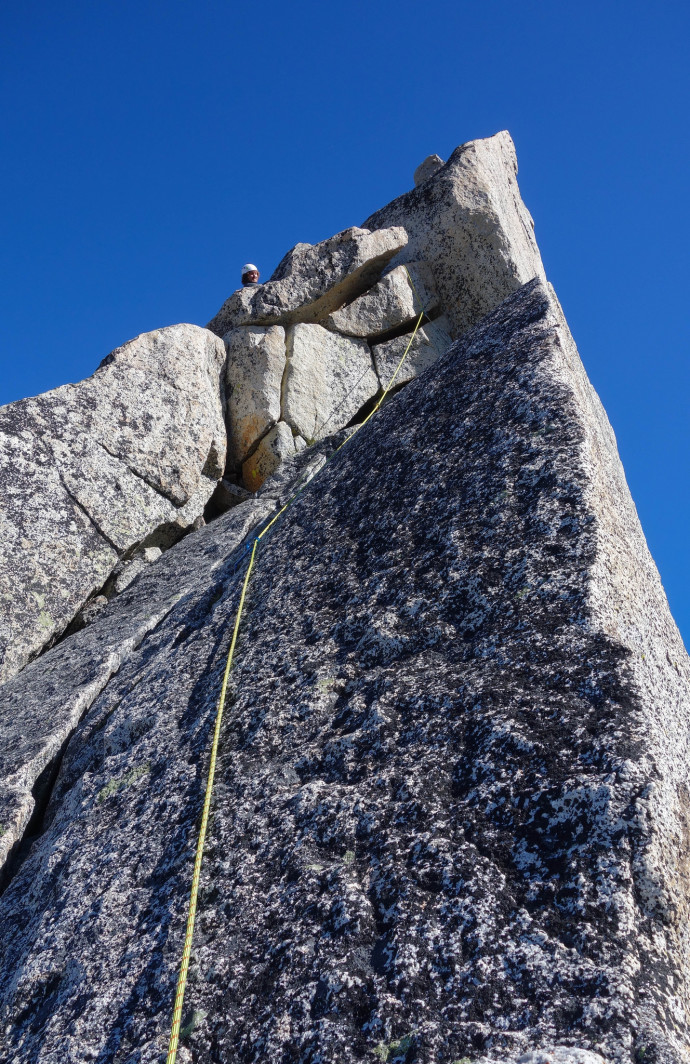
(88, 471)
(451, 818)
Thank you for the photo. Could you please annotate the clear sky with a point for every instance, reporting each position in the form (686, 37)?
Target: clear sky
(150, 147)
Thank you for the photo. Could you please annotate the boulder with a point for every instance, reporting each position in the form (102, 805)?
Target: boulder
(328, 379)
(91, 469)
(394, 302)
(313, 280)
(255, 367)
(468, 222)
(429, 342)
(427, 169)
(274, 448)
(451, 806)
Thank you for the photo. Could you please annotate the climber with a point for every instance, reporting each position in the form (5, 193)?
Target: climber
(250, 275)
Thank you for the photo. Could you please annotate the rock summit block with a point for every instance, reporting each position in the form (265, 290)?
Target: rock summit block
(313, 280)
(467, 221)
(394, 302)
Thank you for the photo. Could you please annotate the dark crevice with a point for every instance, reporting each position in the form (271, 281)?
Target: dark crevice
(404, 329)
(41, 793)
(364, 410)
(224, 498)
(368, 407)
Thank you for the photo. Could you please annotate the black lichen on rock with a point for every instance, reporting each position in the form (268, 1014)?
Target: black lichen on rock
(451, 814)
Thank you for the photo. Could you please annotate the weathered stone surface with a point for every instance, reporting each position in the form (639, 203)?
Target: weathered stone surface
(451, 808)
(90, 469)
(554, 1055)
(135, 565)
(40, 708)
(313, 280)
(429, 342)
(255, 367)
(89, 612)
(470, 225)
(395, 301)
(274, 448)
(427, 169)
(328, 379)
(561, 1055)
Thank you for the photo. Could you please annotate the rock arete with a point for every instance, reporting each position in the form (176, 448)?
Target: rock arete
(451, 820)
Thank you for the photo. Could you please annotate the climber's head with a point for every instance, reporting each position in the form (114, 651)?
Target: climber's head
(250, 274)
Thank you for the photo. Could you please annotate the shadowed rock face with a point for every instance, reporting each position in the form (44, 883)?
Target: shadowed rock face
(451, 813)
(89, 470)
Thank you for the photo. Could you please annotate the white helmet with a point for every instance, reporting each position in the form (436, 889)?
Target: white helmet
(249, 267)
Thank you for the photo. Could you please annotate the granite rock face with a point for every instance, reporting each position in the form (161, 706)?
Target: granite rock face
(313, 280)
(454, 247)
(427, 169)
(395, 301)
(429, 343)
(451, 815)
(91, 469)
(468, 223)
(41, 707)
(328, 379)
(255, 367)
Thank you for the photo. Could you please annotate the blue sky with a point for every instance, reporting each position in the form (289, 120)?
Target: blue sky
(150, 148)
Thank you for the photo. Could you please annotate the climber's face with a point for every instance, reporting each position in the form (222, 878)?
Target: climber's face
(251, 278)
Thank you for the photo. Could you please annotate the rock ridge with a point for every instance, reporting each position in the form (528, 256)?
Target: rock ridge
(451, 820)
(451, 809)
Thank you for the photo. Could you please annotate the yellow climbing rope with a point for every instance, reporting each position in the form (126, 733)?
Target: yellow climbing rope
(196, 875)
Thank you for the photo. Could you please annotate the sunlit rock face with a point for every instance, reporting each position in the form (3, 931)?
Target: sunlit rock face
(451, 249)
(90, 470)
(451, 813)
(468, 223)
(313, 280)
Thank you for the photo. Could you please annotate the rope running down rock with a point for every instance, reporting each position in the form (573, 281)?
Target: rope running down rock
(196, 875)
